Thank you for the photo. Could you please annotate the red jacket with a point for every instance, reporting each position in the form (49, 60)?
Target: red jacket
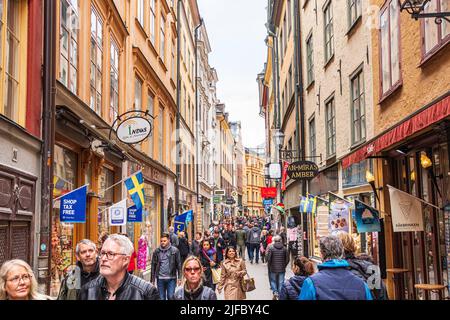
(269, 239)
(132, 265)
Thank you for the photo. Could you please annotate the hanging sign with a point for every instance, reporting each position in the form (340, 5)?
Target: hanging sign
(269, 192)
(73, 206)
(302, 170)
(134, 130)
(118, 213)
(406, 211)
(338, 219)
(367, 218)
(134, 214)
(267, 202)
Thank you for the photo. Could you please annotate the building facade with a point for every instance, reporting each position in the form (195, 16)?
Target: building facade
(254, 171)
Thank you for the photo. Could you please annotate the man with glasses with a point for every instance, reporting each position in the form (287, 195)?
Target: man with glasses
(166, 268)
(86, 269)
(114, 282)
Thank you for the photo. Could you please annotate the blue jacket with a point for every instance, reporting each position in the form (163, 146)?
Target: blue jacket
(291, 288)
(334, 282)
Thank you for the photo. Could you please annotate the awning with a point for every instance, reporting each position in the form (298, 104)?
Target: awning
(432, 114)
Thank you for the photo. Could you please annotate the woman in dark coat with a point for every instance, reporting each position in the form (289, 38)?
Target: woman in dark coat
(183, 246)
(291, 288)
(208, 257)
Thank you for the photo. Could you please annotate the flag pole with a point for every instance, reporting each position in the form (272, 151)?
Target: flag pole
(406, 193)
(56, 199)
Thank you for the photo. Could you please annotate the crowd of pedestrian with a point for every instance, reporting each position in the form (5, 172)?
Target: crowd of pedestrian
(214, 261)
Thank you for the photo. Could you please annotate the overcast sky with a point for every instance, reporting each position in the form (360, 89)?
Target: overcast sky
(236, 32)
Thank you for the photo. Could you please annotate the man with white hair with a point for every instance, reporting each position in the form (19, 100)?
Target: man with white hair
(114, 282)
(86, 269)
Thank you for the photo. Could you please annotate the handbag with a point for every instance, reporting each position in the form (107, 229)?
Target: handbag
(248, 284)
(216, 275)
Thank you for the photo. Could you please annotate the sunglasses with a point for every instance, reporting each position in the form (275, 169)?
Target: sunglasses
(196, 269)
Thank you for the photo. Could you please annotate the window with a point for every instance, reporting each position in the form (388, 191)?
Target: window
(138, 94)
(328, 32)
(354, 11)
(358, 108)
(331, 127)
(390, 47)
(12, 45)
(150, 109)
(96, 62)
(69, 44)
(290, 79)
(173, 67)
(286, 35)
(310, 59)
(162, 38)
(140, 12)
(312, 137)
(160, 134)
(152, 21)
(435, 35)
(281, 46)
(114, 90)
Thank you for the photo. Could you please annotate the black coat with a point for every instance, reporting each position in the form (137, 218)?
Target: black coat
(132, 288)
(195, 248)
(69, 290)
(174, 261)
(230, 238)
(183, 246)
(219, 248)
(277, 257)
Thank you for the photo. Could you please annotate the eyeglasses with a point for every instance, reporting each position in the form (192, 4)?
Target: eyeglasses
(110, 255)
(24, 278)
(189, 270)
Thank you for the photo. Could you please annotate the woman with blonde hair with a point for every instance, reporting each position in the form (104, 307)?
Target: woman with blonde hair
(17, 282)
(193, 288)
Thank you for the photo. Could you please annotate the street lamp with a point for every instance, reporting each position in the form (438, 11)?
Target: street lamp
(371, 180)
(279, 139)
(416, 9)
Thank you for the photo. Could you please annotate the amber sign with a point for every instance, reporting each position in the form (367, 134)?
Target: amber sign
(302, 170)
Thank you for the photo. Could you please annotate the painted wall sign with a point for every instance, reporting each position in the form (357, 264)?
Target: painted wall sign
(134, 130)
(302, 170)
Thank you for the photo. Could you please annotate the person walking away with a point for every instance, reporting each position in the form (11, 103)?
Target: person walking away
(193, 288)
(363, 266)
(246, 228)
(208, 258)
(17, 282)
(283, 236)
(86, 269)
(114, 282)
(302, 269)
(277, 261)
(334, 281)
(233, 271)
(254, 241)
(241, 238)
(166, 268)
(218, 244)
(195, 246)
(183, 246)
(263, 246)
(173, 237)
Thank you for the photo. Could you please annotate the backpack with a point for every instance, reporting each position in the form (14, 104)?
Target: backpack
(360, 267)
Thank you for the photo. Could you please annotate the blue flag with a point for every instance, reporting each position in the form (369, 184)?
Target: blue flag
(189, 216)
(134, 214)
(303, 204)
(73, 206)
(182, 220)
(135, 186)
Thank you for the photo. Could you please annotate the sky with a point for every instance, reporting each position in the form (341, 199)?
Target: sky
(236, 32)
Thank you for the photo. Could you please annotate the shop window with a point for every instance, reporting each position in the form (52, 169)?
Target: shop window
(69, 26)
(355, 175)
(96, 62)
(62, 237)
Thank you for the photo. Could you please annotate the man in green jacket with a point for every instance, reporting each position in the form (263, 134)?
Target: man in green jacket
(241, 239)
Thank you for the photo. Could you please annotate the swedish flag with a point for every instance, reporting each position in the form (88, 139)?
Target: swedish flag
(135, 186)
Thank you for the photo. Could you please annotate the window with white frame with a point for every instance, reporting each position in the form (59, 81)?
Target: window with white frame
(114, 82)
(152, 21)
(330, 127)
(140, 12)
(435, 35)
(390, 46)
(328, 31)
(162, 38)
(96, 61)
(312, 137)
(68, 64)
(354, 11)
(310, 59)
(150, 109)
(160, 134)
(358, 107)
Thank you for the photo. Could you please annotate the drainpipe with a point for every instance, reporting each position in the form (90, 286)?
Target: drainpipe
(48, 137)
(197, 118)
(178, 147)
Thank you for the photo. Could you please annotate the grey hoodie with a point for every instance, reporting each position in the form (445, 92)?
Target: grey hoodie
(254, 235)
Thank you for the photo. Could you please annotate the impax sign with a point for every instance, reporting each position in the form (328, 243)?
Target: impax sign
(303, 170)
(134, 130)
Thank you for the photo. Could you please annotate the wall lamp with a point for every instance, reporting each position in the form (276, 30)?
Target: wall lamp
(427, 164)
(371, 180)
(416, 8)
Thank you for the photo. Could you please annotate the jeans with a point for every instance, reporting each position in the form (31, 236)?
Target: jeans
(254, 247)
(276, 281)
(241, 250)
(166, 288)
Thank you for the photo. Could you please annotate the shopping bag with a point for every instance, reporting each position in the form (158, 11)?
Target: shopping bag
(248, 284)
(216, 275)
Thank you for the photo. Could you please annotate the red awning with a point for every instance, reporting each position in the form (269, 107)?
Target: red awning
(418, 122)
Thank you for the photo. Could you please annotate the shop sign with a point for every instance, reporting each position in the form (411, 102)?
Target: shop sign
(134, 130)
(217, 199)
(73, 206)
(230, 201)
(274, 171)
(267, 202)
(302, 170)
(134, 214)
(269, 192)
(219, 192)
(118, 213)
